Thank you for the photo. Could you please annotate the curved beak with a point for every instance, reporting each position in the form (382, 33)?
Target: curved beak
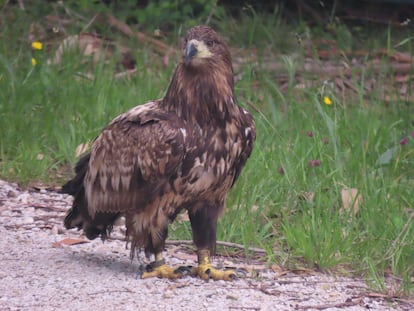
(190, 52)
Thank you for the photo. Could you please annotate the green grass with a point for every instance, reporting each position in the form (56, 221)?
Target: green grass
(47, 111)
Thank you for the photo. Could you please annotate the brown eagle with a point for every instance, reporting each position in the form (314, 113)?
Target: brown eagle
(184, 151)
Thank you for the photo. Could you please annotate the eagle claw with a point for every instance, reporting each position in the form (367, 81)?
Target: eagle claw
(207, 272)
(162, 271)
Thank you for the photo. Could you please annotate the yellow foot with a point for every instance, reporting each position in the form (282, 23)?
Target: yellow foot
(207, 271)
(162, 271)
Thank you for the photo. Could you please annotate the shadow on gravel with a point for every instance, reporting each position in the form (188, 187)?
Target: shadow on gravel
(90, 259)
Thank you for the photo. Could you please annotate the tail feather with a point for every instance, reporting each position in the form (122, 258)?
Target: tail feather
(75, 185)
(78, 216)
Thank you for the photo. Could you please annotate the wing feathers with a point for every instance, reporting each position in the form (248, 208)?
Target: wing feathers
(132, 154)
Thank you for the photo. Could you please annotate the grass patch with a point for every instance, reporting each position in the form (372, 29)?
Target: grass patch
(288, 199)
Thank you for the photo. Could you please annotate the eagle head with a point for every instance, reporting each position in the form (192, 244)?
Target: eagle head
(203, 44)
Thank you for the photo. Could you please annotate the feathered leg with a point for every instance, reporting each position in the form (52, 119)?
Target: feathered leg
(159, 268)
(204, 226)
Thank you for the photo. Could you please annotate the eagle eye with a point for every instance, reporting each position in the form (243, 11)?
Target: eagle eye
(210, 43)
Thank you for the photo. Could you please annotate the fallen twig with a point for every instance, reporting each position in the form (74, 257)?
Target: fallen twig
(265, 290)
(210, 15)
(48, 208)
(127, 73)
(110, 292)
(158, 45)
(326, 72)
(221, 243)
(391, 297)
(345, 304)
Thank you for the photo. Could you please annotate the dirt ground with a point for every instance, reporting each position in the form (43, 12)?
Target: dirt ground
(45, 267)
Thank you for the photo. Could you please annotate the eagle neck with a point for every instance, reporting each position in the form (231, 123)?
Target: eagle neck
(203, 96)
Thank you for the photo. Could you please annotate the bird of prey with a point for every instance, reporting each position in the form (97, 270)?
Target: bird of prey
(182, 152)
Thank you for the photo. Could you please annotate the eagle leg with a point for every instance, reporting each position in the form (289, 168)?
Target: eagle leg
(204, 224)
(159, 269)
(206, 271)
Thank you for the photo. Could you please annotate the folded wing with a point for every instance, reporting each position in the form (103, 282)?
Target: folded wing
(133, 158)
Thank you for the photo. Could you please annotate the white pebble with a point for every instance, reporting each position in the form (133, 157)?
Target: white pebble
(28, 220)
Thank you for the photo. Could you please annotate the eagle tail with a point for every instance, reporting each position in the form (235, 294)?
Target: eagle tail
(78, 216)
(75, 185)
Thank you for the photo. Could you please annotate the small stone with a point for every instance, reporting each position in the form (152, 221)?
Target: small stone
(29, 210)
(28, 220)
(55, 230)
(24, 198)
(11, 194)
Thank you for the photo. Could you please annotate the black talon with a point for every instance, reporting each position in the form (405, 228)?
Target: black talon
(183, 269)
(208, 272)
(241, 271)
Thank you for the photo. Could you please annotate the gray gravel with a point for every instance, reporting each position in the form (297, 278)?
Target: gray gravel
(36, 274)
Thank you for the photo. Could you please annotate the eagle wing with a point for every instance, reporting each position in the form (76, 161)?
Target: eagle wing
(133, 158)
(245, 145)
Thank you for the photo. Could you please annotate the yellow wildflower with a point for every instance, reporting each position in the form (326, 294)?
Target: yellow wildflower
(34, 62)
(36, 45)
(327, 100)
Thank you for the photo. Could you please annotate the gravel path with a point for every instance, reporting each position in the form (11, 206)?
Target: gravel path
(39, 272)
